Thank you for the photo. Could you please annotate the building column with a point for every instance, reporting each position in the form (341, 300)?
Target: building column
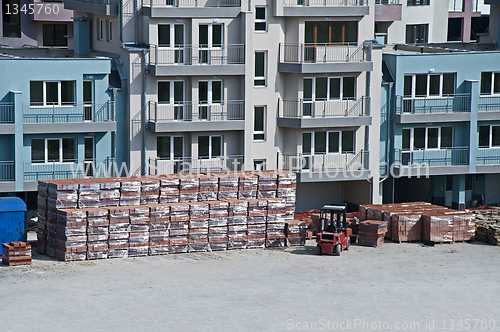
(458, 199)
(473, 87)
(18, 141)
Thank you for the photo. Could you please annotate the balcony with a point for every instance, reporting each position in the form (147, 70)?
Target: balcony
(7, 171)
(388, 10)
(197, 60)
(313, 58)
(69, 118)
(327, 167)
(7, 118)
(323, 8)
(159, 166)
(434, 162)
(189, 116)
(68, 170)
(52, 11)
(433, 109)
(488, 108)
(99, 7)
(190, 8)
(326, 113)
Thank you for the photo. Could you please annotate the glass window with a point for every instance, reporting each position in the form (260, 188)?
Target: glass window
(204, 146)
(335, 88)
(348, 88)
(496, 83)
(449, 182)
(217, 92)
(217, 35)
(259, 164)
(67, 92)
(448, 84)
(309, 34)
(446, 137)
(323, 33)
(308, 89)
(348, 141)
(163, 147)
(320, 142)
(408, 81)
(110, 30)
(54, 35)
(164, 92)
(306, 143)
(164, 35)
(259, 123)
(333, 142)
(351, 32)
(36, 93)
(495, 136)
(178, 92)
(432, 138)
(69, 149)
(419, 138)
(484, 136)
(203, 92)
(260, 19)
(37, 150)
(406, 139)
(434, 82)
(178, 147)
(51, 93)
(216, 146)
(11, 20)
(260, 69)
(89, 148)
(53, 154)
(486, 82)
(178, 35)
(421, 85)
(321, 89)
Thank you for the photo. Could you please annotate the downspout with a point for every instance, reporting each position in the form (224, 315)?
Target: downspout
(143, 113)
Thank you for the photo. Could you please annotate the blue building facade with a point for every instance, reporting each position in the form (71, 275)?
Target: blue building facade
(441, 117)
(57, 117)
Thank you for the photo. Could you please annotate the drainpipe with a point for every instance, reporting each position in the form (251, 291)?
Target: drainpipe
(136, 25)
(143, 112)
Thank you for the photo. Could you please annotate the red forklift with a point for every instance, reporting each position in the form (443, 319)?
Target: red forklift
(332, 237)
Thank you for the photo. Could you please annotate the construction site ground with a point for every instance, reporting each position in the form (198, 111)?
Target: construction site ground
(395, 286)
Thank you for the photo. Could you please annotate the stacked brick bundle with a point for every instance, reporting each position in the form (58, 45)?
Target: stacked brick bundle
(169, 190)
(247, 187)
(217, 225)
(256, 223)
(16, 253)
(179, 227)
(421, 221)
(97, 233)
(159, 229)
(150, 191)
(41, 227)
(70, 240)
(275, 230)
(189, 188)
(267, 184)
(237, 224)
(228, 187)
(198, 226)
(295, 231)
(119, 232)
(372, 232)
(109, 192)
(209, 187)
(286, 184)
(130, 192)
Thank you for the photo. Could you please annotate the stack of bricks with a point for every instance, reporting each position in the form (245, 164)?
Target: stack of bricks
(41, 227)
(237, 224)
(109, 192)
(198, 226)
(97, 233)
(119, 232)
(159, 229)
(267, 184)
(287, 183)
(275, 223)
(209, 187)
(150, 191)
(169, 189)
(130, 192)
(295, 231)
(16, 253)
(256, 223)
(189, 188)
(217, 225)
(138, 241)
(179, 227)
(88, 194)
(71, 237)
(372, 232)
(228, 187)
(247, 186)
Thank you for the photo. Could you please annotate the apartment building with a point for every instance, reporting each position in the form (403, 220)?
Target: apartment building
(57, 117)
(441, 117)
(467, 20)
(233, 84)
(411, 21)
(35, 23)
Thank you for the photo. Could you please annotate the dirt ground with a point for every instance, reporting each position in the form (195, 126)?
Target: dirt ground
(395, 286)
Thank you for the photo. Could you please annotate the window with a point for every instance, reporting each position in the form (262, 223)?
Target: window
(424, 85)
(259, 123)
(172, 92)
(490, 83)
(322, 142)
(53, 150)
(52, 93)
(417, 34)
(209, 146)
(168, 33)
(427, 138)
(260, 68)
(489, 136)
(170, 147)
(333, 88)
(55, 35)
(11, 23)
(260, 19)
(418, 2)
(331, 33)
(109, 31)
(99, 29)
(209, 97)
(259, 164)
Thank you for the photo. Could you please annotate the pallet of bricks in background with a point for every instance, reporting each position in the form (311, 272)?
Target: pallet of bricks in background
(119, 231)
(267, 184)
(139, 231)
(159, 229)
(247, 185)
(437, 227)
(275, 222)
(130, 191)
(41, 227)
(179, 228)
(287, 183)
(169, 189)
(257, 223)
(228, 185)
(150, 190)
(71, 235)
(109, 192)
(217, 225)
(464, 227)
(372, 232)
(97, 233)
(237, 224)
(189, 187)
(88, 193)
(295, 231)
(209, 187)
(406, 227)
(16, 253)
(198, 226)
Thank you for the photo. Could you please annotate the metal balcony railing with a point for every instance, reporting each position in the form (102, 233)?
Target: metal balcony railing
(317, 53)
(69, 170)
(7, 171)
(488, 156)
(101, 2)
(90, 112)
(197, 55)
(188, 111)
(158, 166)
(7, 113)
(439, 157)
(387, 2)
(324, 108)
(433, 105)
(190, 3)
(489, 104)
(325, 3)
(330, 162)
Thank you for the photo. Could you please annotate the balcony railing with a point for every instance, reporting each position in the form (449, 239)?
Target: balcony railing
(489, 104)
(197, 55)
(69, 113)
(7, 113)
(189, 111)
(488, 156)
(387, 2)
(439, 157)
(159, 166)
(433, 105)
(7, 171)
(325, 3)
(101, 2)
(69, 170)
(190, 3)
(315, 53)
(325, 108)
(331, 162)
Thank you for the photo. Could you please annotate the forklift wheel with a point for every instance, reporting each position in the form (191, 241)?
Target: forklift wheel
(338, 249)
(348, 244)
(318, 250)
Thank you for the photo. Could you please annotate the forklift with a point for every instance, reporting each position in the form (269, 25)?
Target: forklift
(332, 237)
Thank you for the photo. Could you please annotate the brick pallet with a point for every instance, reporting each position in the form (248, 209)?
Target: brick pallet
(372, 232)
(295, 231)
(16, 253)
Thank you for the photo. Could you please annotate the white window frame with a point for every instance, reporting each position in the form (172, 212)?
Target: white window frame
(264, 123)
(492, 92)
(172, 155)
(427, 94)
(171, 94)
(210, 35)
(46, 147)
(426, 138)
(210, 146)
(490, 138)
(109, 33)
(327, 143)
(264, 78)
(328, 78)
(59, 95)
(256, 20)
(172, 36)
(262, 162)
(209, 100)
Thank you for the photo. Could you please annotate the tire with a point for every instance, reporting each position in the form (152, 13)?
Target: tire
(318, 250)
(348, 243)
(338, 249)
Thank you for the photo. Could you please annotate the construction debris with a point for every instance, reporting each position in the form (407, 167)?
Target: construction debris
(16, 253)
(488, 226)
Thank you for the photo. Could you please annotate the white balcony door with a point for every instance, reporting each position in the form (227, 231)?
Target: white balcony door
(211, 38)
(88, 101)
(172, 38)
(318, 91)
(210, 100)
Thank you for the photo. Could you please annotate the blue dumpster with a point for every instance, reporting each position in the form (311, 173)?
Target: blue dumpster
(12, 211)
